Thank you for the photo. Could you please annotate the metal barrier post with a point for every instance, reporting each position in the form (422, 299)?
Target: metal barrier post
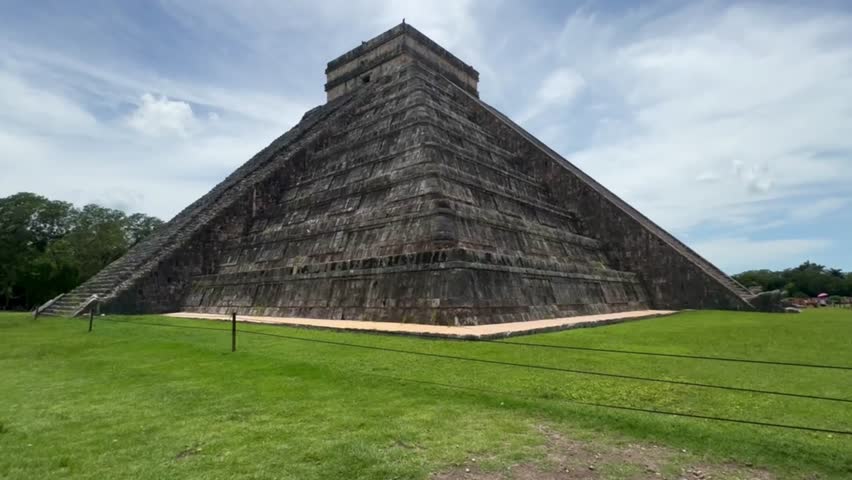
(234, 331)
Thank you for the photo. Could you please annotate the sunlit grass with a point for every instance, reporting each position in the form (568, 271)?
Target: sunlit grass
(135, 401)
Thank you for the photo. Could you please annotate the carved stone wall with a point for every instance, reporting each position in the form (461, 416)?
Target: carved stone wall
(399, 215)
(672, 274)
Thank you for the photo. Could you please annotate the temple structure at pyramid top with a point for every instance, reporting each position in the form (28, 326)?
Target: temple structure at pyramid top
(407, 198)
(401, 44)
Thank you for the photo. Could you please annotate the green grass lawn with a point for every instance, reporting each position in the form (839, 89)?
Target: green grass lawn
(135, 401)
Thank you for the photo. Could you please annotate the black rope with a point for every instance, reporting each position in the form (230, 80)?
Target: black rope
(671, 355)
(510, 364)
(620, 407)
(577, 402)
(136, 322)
(555, 369)
(566, 347)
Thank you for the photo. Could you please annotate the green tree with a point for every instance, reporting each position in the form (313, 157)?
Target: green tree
(98, 238)
(48, 247)
(28, 224)
(139, 226)
(806, 280)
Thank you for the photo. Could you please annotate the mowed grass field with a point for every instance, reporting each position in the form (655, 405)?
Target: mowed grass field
(137, 401)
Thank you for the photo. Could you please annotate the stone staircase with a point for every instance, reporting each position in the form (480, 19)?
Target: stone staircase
(733, 285)
(148, 254)
(107, 281)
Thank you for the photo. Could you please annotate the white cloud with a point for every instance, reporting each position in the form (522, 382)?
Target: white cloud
(26, 105)
(714, 108)
(51, 144)
(138, 160)
(112, 82)
(735, 254)
(708, 177)
(158, 116)
(561, 86)
(558, 89)
(755, 177)
(15, 148)
(812, 210)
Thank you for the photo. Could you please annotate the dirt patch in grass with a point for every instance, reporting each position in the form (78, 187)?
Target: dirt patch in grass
(188, 452)
(569, 459)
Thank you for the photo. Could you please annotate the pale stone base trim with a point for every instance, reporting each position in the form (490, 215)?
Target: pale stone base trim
(470, 332)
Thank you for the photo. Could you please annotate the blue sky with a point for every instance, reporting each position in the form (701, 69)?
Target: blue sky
(730, 124)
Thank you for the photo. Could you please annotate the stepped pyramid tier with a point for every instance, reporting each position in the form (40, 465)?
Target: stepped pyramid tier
(406, 198)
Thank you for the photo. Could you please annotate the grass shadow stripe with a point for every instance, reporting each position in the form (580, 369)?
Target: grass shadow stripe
(557, 369)
(506, 364)
(669, 355)
(616, 407)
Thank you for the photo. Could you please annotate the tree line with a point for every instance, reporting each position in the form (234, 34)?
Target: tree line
(807, 280)
(48, 247)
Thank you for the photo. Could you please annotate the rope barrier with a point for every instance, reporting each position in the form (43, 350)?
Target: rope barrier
(555, 369)
(621, 407)
(512, 364)
(135, 322)
(548, 368)
(670, 355)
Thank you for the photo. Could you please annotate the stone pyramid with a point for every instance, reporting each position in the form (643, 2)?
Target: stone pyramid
(407, 198)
